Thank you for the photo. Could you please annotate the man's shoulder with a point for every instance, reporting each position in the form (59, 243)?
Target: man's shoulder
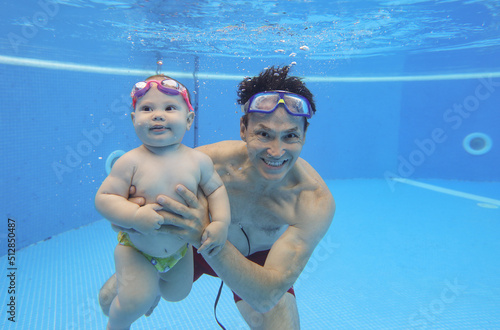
(307, 174)
(314, 190)
(222, 151)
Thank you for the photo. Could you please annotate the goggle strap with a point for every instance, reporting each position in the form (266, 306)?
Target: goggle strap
(162, 88)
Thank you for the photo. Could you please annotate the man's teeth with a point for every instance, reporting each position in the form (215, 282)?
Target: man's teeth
(275, 163)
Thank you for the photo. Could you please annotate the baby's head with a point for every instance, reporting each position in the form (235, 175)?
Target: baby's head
(162, 111)
(165, 84)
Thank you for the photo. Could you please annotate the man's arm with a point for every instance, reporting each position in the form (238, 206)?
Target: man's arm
(262, 287)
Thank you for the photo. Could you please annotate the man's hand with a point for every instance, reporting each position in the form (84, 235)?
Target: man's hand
(187, 221)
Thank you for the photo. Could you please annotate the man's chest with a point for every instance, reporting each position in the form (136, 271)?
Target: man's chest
(254, 227)
(258, 209)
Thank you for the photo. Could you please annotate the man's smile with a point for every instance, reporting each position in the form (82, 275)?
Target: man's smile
(275, 163)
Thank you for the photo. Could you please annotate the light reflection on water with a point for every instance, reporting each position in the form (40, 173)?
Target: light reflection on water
(318, 29)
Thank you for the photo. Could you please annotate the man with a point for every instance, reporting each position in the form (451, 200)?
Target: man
(280, 206)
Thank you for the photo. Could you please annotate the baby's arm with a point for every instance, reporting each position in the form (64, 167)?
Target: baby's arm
(215, 235)
(111, 200)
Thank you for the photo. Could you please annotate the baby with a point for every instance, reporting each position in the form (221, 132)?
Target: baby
(149, 263)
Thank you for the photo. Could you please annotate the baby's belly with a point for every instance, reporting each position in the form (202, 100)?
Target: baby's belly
(161, 245)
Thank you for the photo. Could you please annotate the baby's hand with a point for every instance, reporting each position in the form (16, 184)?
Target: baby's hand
(213, 239)
(147, 220)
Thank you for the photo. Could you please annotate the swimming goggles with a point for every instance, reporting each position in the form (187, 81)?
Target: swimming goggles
(267, 102)
(167, 86)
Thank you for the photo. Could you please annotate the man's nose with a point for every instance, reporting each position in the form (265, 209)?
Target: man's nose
(275, 150)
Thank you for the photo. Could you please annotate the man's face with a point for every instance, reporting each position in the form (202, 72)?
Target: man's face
(274, 142)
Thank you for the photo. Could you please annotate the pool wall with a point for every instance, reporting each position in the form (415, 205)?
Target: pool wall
(59, 126)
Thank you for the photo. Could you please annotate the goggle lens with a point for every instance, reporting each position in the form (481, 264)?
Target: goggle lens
(139, 85)
(267, 102)
(172, 84)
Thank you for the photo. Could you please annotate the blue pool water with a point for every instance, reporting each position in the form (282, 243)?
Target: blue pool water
(399, 86)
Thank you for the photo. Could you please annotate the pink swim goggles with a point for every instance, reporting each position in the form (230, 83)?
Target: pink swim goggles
(166, 86)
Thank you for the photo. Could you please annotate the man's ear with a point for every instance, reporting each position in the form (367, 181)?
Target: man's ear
(243, 130)
(132, 116)
(190, 119)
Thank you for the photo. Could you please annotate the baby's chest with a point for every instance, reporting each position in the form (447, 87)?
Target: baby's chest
(151, 181)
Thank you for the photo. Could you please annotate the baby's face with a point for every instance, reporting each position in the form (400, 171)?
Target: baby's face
(161, 120)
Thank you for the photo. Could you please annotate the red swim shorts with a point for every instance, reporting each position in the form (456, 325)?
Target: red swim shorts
(202, 267)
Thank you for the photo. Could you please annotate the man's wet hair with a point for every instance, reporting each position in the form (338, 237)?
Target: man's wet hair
(271, 79)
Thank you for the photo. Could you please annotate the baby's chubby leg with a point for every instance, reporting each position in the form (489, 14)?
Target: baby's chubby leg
(176, 284)
(138, 287)
(107, 293)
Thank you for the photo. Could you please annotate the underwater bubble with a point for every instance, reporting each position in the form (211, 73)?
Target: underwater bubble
(304, 47)
(292, 54)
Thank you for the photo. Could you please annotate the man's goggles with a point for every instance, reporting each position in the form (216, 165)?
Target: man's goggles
(267, 102)
(167, 86)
